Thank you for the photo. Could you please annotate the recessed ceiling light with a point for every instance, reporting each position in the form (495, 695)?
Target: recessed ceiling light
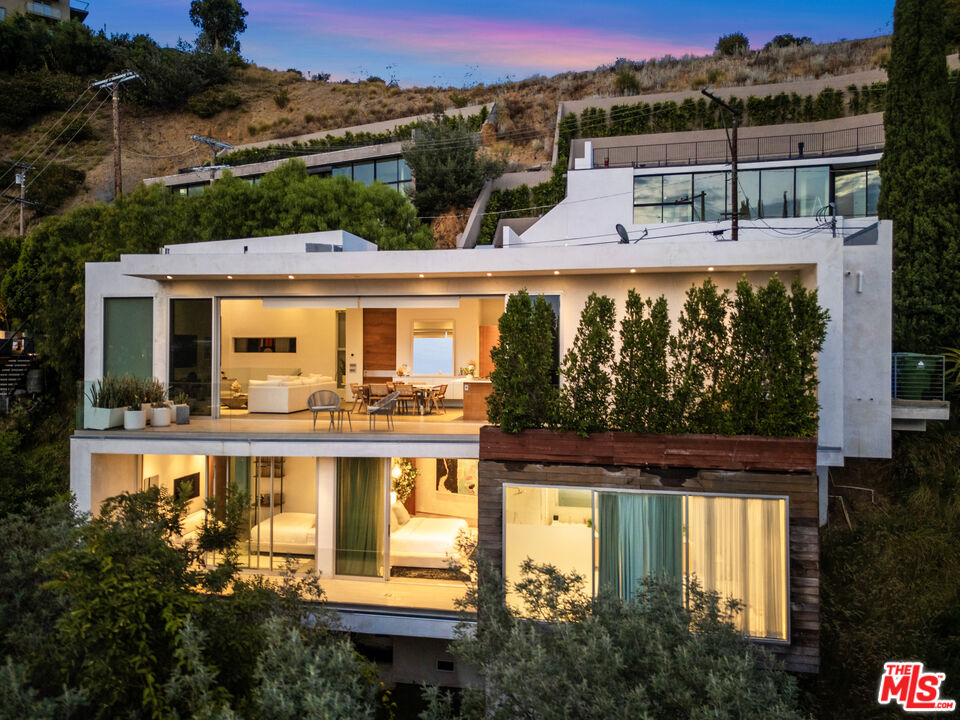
(710, 269)
(633, 270)
(421, 274)
(290, 276)
(169, 277)
(229, 277)
(556, 272)
(489, 274)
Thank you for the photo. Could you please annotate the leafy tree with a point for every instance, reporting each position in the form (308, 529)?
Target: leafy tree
(698, 361)
(448, 166)
(788, 40)
(220, 21)
(523, 393)
(568, 656)
(921, 183)
(732, 44)
(641, 380)
(952, 24)
(587, 369)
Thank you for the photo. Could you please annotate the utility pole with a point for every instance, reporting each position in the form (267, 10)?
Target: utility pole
(735, 114)
(22, 182)
(215, 147)
(114, 83)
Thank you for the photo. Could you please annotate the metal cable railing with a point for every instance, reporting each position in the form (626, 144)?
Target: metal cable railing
(918, 377)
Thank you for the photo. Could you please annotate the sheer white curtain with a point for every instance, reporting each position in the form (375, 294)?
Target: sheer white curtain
(737, 546)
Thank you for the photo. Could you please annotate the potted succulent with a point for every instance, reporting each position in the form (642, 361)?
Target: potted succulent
(154, 395)
(181, 408)
(108, 400)
(135, 417)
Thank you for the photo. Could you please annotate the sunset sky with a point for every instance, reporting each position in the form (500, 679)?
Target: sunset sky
(420, 42)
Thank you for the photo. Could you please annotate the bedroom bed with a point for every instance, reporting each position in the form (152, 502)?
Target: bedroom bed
(293, 532)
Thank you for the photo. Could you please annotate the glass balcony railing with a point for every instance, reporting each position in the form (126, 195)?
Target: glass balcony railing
(918, 377)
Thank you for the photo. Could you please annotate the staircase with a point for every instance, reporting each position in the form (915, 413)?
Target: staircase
(12, 376)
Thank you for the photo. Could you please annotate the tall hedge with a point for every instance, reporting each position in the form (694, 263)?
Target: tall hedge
(921, 182)
(641, 379)
(587, 368)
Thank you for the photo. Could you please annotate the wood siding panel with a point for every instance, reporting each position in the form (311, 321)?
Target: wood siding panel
(489, 338)
(380, 339)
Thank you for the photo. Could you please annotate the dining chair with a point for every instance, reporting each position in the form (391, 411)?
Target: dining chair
(323, 401)
(439, 398)
(359, 393)
(407, 399)
(384, 406)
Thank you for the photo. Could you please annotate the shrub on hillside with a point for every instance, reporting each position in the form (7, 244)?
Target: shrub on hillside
(732, 44)
(25, 96)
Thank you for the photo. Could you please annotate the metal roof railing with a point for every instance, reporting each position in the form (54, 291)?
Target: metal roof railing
(869, 138)
(918, 377)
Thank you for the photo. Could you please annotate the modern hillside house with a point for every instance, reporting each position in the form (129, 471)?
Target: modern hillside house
(250, 328)
(53, 10)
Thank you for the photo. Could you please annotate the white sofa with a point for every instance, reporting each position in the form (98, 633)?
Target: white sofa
(285, 393)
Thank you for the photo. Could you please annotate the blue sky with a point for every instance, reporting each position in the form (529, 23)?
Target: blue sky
(423, 42)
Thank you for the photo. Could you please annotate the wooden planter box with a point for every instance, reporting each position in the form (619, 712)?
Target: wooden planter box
(718, 452)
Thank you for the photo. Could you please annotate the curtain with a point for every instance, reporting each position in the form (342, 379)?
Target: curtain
(640, 535)
(359, 516)
(737, 547)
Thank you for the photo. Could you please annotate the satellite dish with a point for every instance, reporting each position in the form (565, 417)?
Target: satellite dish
(622, 232)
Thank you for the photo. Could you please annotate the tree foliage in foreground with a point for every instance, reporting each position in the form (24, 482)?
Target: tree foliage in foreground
(921, 182)
(44, 286)
(116, 617)
(569, 656)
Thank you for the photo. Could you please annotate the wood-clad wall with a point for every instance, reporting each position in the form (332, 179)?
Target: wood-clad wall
(380, 339)
(803, 653)
(489, 339)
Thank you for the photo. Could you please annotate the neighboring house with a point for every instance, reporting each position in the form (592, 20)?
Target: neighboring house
(55, 10)
(259, 323)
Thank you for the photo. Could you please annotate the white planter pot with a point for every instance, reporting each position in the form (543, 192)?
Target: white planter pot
(95, 418)
(161, 417)
(181, 414)
(134, 420)
(147, 410)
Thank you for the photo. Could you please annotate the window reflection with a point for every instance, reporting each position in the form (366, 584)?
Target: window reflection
(850, 191)
(776, 188)
(709, 196)
(813, 190)
(748, 193)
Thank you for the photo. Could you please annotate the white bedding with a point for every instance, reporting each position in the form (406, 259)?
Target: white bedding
(426, 542)
(293, 532)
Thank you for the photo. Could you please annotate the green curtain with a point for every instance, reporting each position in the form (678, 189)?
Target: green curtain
(359, 516)
(640, 535)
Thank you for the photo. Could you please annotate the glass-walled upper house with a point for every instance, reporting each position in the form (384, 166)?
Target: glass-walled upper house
(777, 192)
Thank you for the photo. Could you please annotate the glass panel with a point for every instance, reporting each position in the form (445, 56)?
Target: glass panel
(646, 214)
(406, 188)
(405, 173)
(712, 204)
(850, 192)
(748, 193)
(647, 189)
(537, 527)
(813, 190)
(677, 213)
(776, 190)
(194, 190)
(341, 348)
(342, 170)
(873, 191)
(737, 547)
(433, 355)
(433, 511)
(677, 188)
(363, 172)
(128, 336)
(265, 345)
(387, 170)
(359, 517)
(191, 345)
(640, 536)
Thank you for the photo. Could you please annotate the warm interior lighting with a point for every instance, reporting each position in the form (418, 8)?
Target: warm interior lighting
(489, 274)
(633, 270)
(421, 274)
(169, 277)
(393, 498)
(710, 269)
(229, 277)
(290, 276)
(397, 472)
(556, 272)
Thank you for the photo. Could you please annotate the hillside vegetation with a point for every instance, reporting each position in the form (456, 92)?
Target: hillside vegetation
(188, 91)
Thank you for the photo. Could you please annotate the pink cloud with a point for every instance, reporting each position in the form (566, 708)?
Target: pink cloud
(463, 39)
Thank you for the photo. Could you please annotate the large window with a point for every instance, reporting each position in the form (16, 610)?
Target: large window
(433, 347)
(191, 347)
(392, 171)
(128, 336)
(773, 193)
(856, 192)
(734, 545)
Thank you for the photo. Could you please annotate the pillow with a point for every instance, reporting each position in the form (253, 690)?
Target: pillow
(278, 377)
(399, 514)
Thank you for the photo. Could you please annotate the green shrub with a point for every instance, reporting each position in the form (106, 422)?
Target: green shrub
(732, 44)
(626, 82)
(230, 100)
(53, 186)
(206, 104)
(282, 99)
(523, 394)
(459, 100)
(25, 96)
(641, 379)
(587, 370)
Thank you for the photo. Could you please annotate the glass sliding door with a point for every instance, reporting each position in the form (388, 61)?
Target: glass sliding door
(640, 536)
(191, 348)
(359, 529)
(737, 546)
(128, 336)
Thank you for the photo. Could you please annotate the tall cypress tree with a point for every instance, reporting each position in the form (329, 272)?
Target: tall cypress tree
(920, 190)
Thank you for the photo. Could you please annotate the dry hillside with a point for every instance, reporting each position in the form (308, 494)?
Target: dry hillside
(283, 104)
